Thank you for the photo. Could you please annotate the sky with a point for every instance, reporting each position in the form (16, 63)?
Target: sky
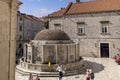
(41, 8)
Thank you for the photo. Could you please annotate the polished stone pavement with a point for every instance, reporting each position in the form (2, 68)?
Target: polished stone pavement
(104, 69)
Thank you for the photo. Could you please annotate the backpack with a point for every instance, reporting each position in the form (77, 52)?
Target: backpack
(92, 75)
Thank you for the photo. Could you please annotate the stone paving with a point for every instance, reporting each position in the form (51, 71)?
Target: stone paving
(104, 68)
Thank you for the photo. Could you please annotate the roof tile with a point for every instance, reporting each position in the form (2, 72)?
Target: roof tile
(86, 7)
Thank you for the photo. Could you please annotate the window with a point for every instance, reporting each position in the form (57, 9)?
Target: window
(105, 27)
(20, 27)
(20, 37)
(20, 45)
(20, 18)
(80, 28)
(58, 26)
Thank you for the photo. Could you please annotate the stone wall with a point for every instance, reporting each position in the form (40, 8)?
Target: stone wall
(60, 53)
(76, 66)
(42, 52)
(30, 28)
(93, 30)
(92, 24)
(8, 10)
(91, 47)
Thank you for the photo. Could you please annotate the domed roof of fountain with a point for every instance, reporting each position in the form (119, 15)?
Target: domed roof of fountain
(52, 35)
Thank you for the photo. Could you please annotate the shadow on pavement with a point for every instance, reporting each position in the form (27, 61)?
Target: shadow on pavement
(96, 67)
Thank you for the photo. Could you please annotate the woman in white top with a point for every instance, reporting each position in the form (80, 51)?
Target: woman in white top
(59, 68)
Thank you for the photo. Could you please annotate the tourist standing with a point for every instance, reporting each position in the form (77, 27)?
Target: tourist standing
(30, 76)
(92, 75)
(59, 68)
(37, 77)
(88, 75)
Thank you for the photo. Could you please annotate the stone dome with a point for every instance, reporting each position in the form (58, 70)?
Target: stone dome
(52, 35)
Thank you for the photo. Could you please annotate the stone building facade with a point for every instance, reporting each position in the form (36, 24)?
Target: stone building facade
(27, 27)
(96, 27)
(8, 15)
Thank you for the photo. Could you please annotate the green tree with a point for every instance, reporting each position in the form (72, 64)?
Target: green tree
(47, 24)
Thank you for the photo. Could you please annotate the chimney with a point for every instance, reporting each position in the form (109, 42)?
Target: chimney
(77, 1)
